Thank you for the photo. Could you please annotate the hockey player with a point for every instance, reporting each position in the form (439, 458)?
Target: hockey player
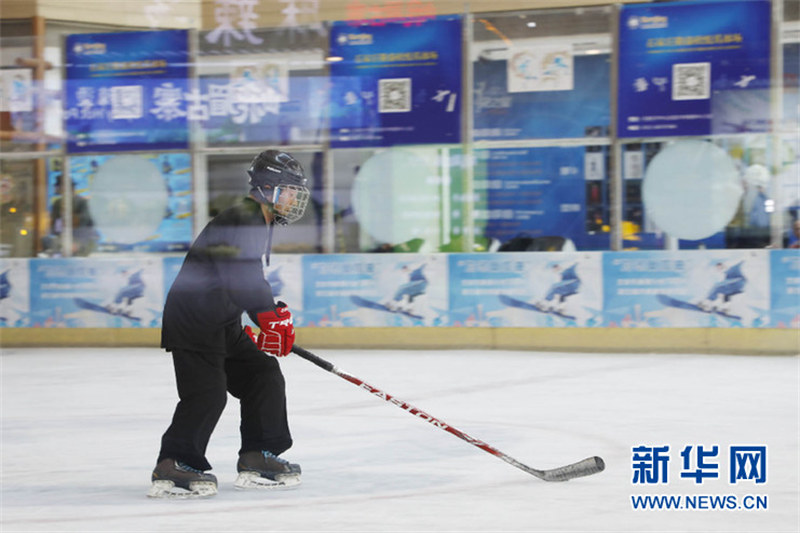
(222, 277)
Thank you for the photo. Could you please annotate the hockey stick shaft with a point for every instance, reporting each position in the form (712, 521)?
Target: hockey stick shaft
(586, 467)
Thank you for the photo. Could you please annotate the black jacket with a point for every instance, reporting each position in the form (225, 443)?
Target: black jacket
(221, 277)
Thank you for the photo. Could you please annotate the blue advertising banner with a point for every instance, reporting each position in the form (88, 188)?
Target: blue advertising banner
(396, 83)
(662, 289)
(525, 290)
(686, 289)
(125, 91)
(694, 68)
(87, 292)
(15, 303)
(785, 287)
(375, 290)
(537, 191)
(229, 114)
(581, 111)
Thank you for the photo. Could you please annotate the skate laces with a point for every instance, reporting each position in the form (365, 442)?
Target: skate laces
(269, 455)
(184, 466)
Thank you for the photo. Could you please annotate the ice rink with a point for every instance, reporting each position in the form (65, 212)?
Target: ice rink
(81, 430)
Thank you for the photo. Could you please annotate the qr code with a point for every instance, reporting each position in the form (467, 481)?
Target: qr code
(394, 95)
(126, 102)
(691, 81)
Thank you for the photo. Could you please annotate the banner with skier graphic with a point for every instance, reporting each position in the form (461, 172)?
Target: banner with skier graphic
(94, 293)
(660, 289)
(526, 290)
(785, 296)
(282, 274)
(15, 293)
(375, 290)
(725, 288)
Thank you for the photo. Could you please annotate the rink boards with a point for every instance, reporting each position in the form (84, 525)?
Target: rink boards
(478, 299)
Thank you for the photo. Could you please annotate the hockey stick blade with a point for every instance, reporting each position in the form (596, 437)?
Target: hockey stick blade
(586, 467)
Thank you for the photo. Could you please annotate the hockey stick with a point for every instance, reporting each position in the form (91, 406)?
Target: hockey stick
(587, 467)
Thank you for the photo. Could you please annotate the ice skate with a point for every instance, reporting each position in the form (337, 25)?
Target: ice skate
(265, 470)
(175, 480)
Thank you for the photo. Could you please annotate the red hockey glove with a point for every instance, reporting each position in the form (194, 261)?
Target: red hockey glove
(277, 332)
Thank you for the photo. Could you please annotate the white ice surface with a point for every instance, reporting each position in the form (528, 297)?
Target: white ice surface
(81, 429)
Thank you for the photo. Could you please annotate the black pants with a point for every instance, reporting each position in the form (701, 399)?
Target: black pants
(204, 379)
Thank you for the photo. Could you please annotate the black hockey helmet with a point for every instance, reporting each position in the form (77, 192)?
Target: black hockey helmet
(278, 181)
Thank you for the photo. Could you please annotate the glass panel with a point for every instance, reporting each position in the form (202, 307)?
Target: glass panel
(730, 201)
(788, 178)
(543, 199)
(271, 89)
(121, 203)
(540, 113)
(228, 183)
(393, 200)
(17, 208)
(19, 90)
(541, 74)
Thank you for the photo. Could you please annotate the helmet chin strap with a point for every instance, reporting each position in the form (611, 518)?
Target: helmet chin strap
(268, 245)
(261, 192)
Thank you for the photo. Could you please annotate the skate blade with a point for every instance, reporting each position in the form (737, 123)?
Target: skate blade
(253, 480)
(168, 490)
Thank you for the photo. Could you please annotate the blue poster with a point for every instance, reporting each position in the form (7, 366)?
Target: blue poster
(228, 115)
(125, 91)
(91, 293)
(379, 290)
(138, 202)
(694, 68)
(396, 83)
(525, 290)
(686, 289)
(540, 192)
(785, 283)
(582, 111)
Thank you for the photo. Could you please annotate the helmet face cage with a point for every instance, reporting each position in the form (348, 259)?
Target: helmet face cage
(278, 181)
(289, 202)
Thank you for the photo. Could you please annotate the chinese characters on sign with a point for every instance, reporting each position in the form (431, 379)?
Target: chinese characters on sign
(236, 19)
(694, 68)
(744, 463)
(125, 91)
